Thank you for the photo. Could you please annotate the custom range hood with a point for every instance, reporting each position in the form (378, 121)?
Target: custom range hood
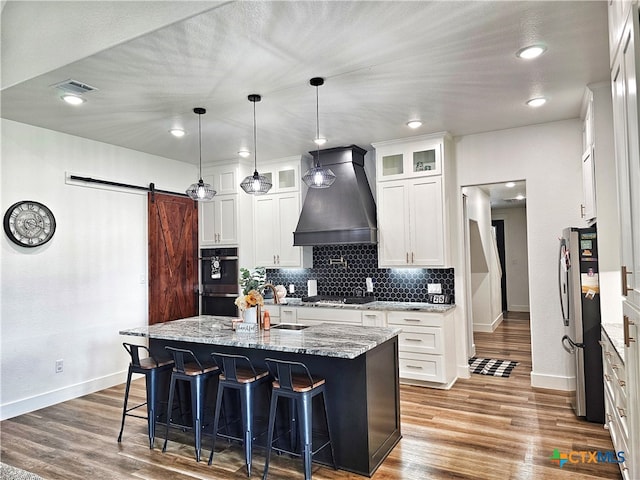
(343, 213)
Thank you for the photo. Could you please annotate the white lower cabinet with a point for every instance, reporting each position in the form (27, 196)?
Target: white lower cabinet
(373, 318)
(616, 406)
(426, 348)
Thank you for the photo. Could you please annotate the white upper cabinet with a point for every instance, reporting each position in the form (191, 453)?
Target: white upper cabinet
(402, 159)
(618, 13)
(276, 217)
(412, 216)
(219, 218)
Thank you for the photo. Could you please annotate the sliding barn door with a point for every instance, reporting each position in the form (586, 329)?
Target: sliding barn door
(173, 258)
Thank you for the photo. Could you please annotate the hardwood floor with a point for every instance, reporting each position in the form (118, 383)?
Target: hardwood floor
(483, 428)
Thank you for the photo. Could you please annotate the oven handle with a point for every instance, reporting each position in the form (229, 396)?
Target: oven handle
(220, 295)
(230, 257)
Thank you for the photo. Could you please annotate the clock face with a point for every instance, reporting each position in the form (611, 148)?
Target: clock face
(29, 224)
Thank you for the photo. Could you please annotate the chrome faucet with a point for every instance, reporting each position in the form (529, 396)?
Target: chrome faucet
(273, 289)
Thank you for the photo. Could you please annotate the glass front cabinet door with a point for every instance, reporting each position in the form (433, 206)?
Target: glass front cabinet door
(408, 159)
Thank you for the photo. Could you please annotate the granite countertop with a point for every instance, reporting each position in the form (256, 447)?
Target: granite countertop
(328, 340)
(615, 332)
(377, 305)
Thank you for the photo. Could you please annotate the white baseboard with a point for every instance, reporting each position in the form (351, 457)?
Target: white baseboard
(553, 382)
(488, 327)
(26, 405)
(518, 308)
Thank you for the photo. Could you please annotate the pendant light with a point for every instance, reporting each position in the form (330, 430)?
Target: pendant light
(200, 192)
(318, 177)
(255, 184)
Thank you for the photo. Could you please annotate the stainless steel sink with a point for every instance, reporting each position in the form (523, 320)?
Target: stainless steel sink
(293, 327)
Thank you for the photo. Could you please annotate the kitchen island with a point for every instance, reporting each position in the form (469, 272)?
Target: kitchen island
(360, 365)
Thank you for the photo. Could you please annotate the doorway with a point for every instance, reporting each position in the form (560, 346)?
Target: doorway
(496, 228)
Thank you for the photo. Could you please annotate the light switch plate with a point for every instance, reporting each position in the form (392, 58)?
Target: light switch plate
(434, 288)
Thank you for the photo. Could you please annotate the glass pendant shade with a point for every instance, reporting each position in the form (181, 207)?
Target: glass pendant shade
(200, 192)
(255, 184)
(318, 177)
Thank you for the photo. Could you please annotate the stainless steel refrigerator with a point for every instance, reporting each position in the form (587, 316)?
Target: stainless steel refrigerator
(580, 304)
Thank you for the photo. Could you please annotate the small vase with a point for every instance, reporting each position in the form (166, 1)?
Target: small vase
(251, 315)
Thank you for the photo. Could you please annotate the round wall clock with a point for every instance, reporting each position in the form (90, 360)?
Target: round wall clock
(29, 224)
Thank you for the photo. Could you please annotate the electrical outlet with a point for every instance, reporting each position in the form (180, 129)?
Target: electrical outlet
(434, 288)
(59, 366)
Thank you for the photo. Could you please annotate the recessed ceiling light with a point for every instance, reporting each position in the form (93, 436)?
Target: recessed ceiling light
(244, 153)
(510, 184)
(414, 124)
(177, 132)
(320, 141)
(73, 99)
(532, 51)
(536, 102)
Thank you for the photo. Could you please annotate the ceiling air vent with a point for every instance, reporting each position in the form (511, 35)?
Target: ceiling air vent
(74, 86)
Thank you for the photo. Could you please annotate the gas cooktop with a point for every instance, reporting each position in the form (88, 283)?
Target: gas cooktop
(322, 299)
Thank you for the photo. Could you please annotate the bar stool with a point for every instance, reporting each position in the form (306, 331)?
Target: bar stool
(151, 368)
(238, 373)
(294, 381)
(188, 368)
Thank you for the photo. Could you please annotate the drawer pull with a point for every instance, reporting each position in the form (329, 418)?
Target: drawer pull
(625, 285)
(601, 343)
(607, 377)
(607, 354)
(413, 339)
(627, 339)
(414, 320)
(615, 366)
(416, 367)
(622, 383)
(622, 412)
(609, 418)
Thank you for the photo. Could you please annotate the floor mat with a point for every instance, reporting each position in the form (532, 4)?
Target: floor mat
(491, 366)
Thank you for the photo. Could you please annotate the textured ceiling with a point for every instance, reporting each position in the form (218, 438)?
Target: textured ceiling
(451, 64)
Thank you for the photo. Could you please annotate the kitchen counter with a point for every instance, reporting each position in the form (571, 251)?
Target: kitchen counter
(327, 340)
(360, 366)
(615, 333)
(376, 305)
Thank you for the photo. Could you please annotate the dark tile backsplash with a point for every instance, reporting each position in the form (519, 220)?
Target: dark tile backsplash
(397, 284)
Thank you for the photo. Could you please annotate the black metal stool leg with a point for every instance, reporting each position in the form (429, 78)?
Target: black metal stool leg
(216, 420)
(126, 399)
(272, 422)
(169, 411)
(151, 380)
(306, 423)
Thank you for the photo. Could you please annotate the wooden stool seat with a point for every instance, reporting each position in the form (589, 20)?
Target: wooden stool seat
(301, 383)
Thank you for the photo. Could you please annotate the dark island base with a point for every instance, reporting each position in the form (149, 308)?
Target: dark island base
(363, 398)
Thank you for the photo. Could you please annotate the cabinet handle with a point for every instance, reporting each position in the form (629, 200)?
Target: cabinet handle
(615, 366)
(414, 320)
(407, 257)
(622, 383)
(278, 256)
(609, 418)
(622, 412)
(607, 377)
(625, 284)
(581, 210)
(412, 260)
(274, 259)
(601, 343)
(416, 367)
(413, 339)
(625, 323)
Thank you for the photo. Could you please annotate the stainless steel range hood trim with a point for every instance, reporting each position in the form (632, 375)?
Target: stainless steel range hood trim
(345, 213)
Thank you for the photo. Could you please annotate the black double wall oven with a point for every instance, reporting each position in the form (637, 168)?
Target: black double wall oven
(219, 276)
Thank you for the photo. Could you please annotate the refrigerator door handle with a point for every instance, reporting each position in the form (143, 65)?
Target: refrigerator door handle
(569, 345)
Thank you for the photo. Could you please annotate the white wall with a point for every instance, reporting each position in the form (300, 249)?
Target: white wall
(69, 298)
(485, 265)
(548, 157)
(516, 265)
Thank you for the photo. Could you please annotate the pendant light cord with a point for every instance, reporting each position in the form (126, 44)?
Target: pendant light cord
(317, 129)
(255, 143)
(200, 141)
